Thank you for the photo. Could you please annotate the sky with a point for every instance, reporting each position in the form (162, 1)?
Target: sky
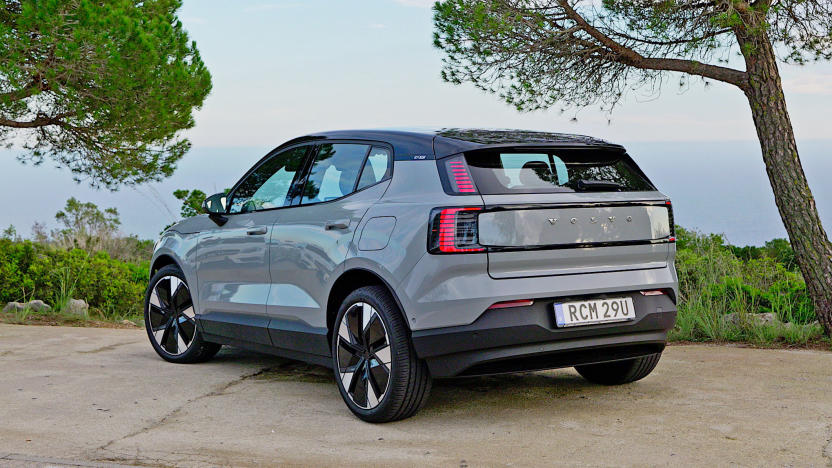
(284, 68)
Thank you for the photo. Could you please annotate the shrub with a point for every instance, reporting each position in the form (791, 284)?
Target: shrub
(113, 288)
(716, 279)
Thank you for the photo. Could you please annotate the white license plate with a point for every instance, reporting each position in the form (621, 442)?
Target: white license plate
(617, 309)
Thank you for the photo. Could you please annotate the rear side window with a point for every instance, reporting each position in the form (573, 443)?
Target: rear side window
(335, 172)
(376, 169)
(502, 172)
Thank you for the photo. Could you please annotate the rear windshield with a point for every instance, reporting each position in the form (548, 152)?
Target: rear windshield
(546, 171)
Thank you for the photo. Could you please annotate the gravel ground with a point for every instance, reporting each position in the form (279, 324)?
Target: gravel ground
(87, 397)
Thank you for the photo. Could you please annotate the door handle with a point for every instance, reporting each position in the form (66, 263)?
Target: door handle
(337, 224)
(258, 231)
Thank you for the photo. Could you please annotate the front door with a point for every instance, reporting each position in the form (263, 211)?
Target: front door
(310, 242)
(233, 259)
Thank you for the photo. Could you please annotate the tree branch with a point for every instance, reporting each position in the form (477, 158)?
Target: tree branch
(627, 56)
(40, 121)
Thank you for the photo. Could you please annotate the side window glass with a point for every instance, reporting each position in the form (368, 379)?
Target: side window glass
(376, 168)
(268, 186)
(334, 173)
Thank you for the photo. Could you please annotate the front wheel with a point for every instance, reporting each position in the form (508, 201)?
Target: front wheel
(378, 373)
(619, 372)
(170, 320)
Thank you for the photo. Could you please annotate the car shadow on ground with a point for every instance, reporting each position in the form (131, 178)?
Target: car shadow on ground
(503, 391)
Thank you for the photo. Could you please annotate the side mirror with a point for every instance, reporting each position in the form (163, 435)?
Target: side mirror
(214, 204)
(215, 207)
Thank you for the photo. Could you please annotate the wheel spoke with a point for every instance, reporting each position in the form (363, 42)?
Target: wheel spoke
(374, 334)
(157, 316)
(162, 291)
(348, 354)
(181, 346)
(379, 376)
(188, 311)
(368, 313)
(372, 393)
(165, 341)
(187, 329)
(383, 355)
(359, 382)
(354, 325)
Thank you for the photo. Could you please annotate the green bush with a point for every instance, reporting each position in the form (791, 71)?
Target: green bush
(716, 279)
(28, 270)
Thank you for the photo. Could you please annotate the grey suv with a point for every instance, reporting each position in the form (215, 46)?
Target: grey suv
(398, 256)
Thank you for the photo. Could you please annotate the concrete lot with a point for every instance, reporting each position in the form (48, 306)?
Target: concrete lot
(97, 395)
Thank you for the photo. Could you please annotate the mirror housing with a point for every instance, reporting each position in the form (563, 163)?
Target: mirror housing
(215, 206)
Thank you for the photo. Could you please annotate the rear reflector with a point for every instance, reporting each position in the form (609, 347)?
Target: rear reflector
(454, 230)
(653, 292)
(509, 304)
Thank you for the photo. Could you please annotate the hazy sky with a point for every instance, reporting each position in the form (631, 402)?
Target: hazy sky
(284, 68)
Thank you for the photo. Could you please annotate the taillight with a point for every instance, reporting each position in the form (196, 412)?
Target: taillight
(454, 230)
(456, 176)
(669, 206)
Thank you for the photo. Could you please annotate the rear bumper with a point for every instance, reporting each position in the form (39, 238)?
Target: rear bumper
(526, 338)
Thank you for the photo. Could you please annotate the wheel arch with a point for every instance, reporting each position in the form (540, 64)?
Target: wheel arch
(348, 282)
(162, 261)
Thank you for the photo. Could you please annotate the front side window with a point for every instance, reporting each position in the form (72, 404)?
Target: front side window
(268, 186)
(335, 172)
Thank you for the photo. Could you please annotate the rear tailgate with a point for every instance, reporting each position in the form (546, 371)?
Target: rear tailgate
(569, 238)
(557, 211)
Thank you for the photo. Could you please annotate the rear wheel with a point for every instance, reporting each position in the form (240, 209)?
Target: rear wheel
(170, 320)
(620, 372)
(378, 373)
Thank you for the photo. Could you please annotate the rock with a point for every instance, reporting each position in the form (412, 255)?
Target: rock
(77, 307)
(767, 317)
(12, 307)
(128, 322)
(756, 319)
(38, 306)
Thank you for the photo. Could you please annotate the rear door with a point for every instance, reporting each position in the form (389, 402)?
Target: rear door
(567, 211)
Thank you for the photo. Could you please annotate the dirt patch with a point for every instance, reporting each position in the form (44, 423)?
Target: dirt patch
(55, 320)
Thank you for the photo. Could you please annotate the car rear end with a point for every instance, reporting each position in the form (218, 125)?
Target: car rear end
(541, 257)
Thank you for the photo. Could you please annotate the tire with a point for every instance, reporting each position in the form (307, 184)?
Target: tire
(360, 359)
(620, 372)
(171, 325)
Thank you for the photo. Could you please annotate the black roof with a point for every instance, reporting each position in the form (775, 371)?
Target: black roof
(438, 143)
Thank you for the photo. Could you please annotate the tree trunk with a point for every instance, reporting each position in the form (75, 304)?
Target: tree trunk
(792, 195)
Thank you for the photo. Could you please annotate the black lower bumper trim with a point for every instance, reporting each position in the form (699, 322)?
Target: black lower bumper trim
(526, 338)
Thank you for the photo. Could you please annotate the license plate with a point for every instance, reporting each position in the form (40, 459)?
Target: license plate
(571, 314)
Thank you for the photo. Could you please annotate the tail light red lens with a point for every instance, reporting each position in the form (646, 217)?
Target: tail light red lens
(454, 230)
(456, 176)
